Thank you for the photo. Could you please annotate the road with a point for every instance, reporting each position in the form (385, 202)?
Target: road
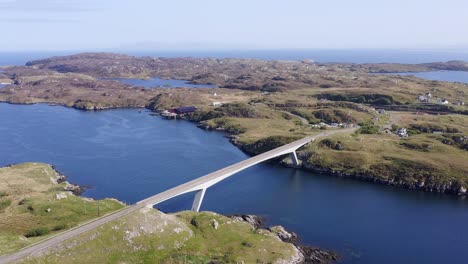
(303, 120)
(204, 181)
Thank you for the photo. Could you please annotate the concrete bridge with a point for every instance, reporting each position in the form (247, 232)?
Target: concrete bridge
(199, 185)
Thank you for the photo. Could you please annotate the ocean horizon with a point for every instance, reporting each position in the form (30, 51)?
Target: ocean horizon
(340, 56)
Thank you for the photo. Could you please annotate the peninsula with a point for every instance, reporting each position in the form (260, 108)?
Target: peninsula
(412, 132)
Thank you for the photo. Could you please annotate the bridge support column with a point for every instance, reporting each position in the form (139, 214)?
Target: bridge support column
(198, 200)
(294, 158)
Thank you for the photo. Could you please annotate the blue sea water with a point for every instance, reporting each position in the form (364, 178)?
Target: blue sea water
(130, 155)
(350, 56)
(448, 76)
(162, 83)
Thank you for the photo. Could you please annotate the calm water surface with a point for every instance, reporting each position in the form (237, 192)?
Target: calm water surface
(353, 56)
(130, 155)
(449, 76)
(164, 83)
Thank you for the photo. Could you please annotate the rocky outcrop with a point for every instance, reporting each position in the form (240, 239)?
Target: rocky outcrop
(427, 184)
(255, 221)
(305, 254)
(75, 189)
(310, 254)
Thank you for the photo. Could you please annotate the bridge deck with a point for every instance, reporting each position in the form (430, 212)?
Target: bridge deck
(219, 175)
(197, 184)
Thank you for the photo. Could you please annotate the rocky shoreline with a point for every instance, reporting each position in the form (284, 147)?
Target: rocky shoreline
(305, 254)
(76, 189)
(448, 188)
(426, 186)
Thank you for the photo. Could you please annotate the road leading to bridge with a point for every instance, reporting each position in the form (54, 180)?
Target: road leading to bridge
(194, 185)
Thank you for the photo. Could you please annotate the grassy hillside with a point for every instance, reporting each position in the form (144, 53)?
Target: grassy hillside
(33, 205)
(423, 160)
(149, 236)
(261, 102)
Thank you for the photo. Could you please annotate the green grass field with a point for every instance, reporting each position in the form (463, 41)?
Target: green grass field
(149, 236)
(35, 206)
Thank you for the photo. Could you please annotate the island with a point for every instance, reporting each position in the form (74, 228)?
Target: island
(410, 132)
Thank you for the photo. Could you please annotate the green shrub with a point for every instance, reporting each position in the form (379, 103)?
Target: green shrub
(431, 128)
(60, 227)
(242, 110)
(369, 129)
(4, 204)
(40, 231)
(229, 126)
(375, 99)
(266, 144)
(332, 144)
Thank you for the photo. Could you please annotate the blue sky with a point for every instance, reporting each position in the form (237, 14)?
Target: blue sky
(241, 24)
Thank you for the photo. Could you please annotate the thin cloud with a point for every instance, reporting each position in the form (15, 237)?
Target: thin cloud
(60, 6)
(36, 20)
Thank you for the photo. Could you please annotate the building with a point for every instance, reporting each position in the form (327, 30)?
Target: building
(184, 110)
(424, 99)
(402, 132)
(216, 103)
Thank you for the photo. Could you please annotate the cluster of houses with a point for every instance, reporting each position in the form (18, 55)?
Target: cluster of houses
(332, 125)
(178, 112)
(427, 98)
(184, 110)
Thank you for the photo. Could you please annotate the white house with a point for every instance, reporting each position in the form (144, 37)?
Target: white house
(423, 99)
(402, 132)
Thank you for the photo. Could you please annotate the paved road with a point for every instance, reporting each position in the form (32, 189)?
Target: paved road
(303, 120)
(204, 181)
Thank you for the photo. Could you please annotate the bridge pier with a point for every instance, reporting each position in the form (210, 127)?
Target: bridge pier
(198, 200)
(294, 158)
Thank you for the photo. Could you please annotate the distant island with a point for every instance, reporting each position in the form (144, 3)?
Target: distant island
(412, 132)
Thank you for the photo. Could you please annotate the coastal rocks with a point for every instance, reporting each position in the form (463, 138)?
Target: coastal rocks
(234, 139)
(75, 189)
(462, 190)
(317, 255)
(88, 106)
(305, 254)
(297, 258)
(309, 254)
(425, 183)
(283, 234)
(255, 221)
